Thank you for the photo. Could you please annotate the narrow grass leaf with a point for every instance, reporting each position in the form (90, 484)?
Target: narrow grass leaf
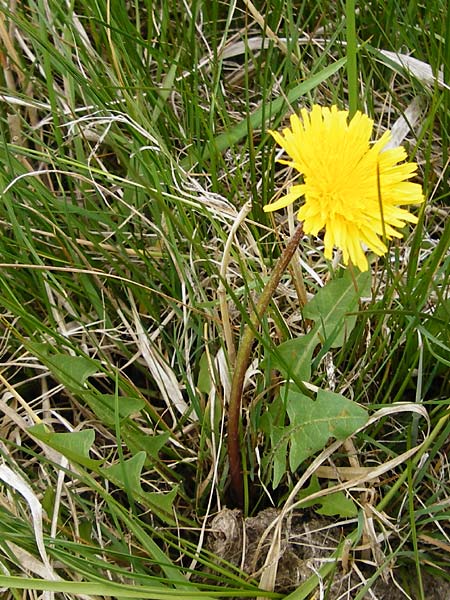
(101, 589)
(264, 113)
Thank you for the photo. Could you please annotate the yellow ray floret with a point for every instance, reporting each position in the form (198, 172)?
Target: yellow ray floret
(353, 189)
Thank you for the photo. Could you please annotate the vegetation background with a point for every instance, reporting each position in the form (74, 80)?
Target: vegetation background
(134, 162)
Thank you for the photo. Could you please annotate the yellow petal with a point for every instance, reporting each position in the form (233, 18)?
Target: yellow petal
(353, 188)
(295, 192)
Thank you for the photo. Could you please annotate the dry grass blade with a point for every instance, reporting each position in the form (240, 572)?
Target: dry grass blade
(135, 162)
(18, 483)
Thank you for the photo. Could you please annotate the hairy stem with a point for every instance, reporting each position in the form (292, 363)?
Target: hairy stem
(242, 361)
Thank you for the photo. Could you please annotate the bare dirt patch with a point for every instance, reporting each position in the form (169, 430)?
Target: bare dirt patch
(306, 544)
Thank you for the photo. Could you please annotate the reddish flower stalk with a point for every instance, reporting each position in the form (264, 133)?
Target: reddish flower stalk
(242, 362)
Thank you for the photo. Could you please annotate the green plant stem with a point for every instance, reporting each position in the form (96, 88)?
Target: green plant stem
(242, 361)
(446, 99)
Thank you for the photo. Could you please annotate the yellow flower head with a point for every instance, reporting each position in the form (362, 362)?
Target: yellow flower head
(352, 189)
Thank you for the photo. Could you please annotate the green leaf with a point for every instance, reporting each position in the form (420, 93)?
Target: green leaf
(329, 309)
(280, 444)
(314, 422)
(204, 382)
(336, 503)
(162, 504)
(128, 405)
(293, 358)
(152, 444)
(331, 306)
(71, 371)
(127, 476)
(104, 405)
(75, 445)
(313, 487)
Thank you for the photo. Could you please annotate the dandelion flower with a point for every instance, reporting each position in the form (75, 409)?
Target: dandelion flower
(353, 189)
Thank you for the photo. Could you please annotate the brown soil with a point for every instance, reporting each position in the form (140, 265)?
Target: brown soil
(306, 544)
